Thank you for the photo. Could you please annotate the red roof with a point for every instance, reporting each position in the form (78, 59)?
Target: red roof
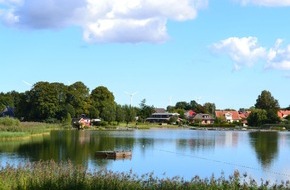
(283, 113)
(244, 115)
(235, 114)
(191, 113)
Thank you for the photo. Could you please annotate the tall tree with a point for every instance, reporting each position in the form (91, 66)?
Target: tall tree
(130, 114)
(257, 117)
(47, 101)
(267, 102)
(120, 113)
(182, 105)
(109, 112)
(209, 108)
(145, 111)
(101, 98)
(78, 97)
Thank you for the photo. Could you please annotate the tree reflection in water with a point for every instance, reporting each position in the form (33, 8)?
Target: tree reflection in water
(265, 145)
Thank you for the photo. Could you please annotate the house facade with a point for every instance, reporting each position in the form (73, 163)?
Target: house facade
(229, 116)
(203, 119)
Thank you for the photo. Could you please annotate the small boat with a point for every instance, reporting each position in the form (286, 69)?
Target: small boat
(113, 154)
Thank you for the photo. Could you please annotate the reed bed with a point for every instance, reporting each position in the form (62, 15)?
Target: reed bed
(11, 128)
(51, 175)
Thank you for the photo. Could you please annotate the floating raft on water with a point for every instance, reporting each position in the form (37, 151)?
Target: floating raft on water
(114, 154)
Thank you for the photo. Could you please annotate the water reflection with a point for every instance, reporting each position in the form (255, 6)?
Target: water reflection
(265, 145)
(176, 152)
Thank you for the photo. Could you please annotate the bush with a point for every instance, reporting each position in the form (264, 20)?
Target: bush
(8, 121)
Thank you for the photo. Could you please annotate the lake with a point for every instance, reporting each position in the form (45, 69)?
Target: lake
(165, 152)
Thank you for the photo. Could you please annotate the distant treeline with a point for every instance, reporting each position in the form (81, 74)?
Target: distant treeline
(54, 102)
(57, 102)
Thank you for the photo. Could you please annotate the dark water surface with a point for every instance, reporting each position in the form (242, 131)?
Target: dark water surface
(167, 153)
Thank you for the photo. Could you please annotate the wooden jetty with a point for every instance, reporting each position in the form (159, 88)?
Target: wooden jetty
(114, 154)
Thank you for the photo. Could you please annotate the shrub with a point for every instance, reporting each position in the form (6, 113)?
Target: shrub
(8, 121)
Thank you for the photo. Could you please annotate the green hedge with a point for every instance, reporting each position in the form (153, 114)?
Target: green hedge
(8, 121)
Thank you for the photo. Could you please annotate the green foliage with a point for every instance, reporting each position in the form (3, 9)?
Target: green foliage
(266, 101)
(145, 111)
(108, 112)
(59, 176)
(266, 146)
(182, 105)
(266, 110)
(130, 114)
(209, 108)
(9, 122)
(67, 120)
(257, 117)
(120, 114)
(104, 102)
(78, 98)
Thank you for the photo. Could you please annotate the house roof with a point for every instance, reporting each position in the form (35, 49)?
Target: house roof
(283, 113)
(160, 110)
(222, 113)
(203, 116)
(8, 111)
(244, 115)
(190, 113)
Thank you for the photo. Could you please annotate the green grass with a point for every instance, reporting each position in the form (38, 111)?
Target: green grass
(51, 175)
(14, 129)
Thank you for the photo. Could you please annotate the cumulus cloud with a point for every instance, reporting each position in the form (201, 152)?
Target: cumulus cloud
(246, 52)
(278, 57)
(267, 3)
(102, 20)
(243, 51)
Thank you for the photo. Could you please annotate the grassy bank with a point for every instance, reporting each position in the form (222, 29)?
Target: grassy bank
(52, 175)
(14, 129)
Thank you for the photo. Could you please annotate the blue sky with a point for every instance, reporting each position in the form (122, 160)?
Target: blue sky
(225, 52)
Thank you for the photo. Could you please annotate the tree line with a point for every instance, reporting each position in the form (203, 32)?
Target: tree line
(57, 102)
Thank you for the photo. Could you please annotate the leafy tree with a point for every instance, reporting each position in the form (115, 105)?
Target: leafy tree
(44, 101)
(130, 114)
(67, 120)
(267, 102)
(108, 112)
(257, 117)
(145, 111)
(209, 108)
(120, 114)
(101, 98)
(182, 105)
(78, 97)
(196, 107)
(6, 99)
(24, 107)
(181, 113)
(170, 109)
(93, 112)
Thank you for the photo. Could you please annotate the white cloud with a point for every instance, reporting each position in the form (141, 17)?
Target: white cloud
(246, 52)
(102, 20)
(243, 51)
(278, 57)
(267, 3)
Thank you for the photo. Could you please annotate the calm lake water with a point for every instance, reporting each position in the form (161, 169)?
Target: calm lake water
(168, 153)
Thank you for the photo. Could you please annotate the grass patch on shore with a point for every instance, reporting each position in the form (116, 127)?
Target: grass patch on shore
(51, 175)
(11, 128)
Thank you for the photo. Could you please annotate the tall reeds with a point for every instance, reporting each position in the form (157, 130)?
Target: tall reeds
(65, 175)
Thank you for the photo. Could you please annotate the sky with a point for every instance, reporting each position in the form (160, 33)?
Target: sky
(220, 51)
